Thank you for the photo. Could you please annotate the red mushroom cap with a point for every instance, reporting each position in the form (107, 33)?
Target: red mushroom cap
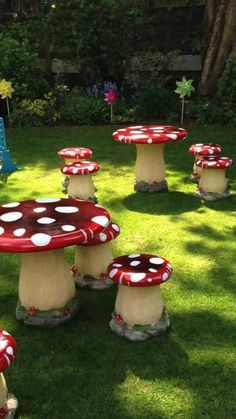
(139, 270)
(49, 223)
(108, 234)
(214, 162)
(75, 153)
(8, 349)
(82, 168)
(149, 134)
(209, 149)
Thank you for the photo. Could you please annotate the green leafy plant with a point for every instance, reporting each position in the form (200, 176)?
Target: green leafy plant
(184, 88)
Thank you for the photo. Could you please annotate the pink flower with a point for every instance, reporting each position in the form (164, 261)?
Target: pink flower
(111, 97)
(31, 311)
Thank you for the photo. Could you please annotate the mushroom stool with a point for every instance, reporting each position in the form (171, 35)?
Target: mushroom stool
(8, 402)
(213, 184)
(92, 259)
(149, 141)
(202, 150)
(71, 155)
(80, 180)
(139, 308)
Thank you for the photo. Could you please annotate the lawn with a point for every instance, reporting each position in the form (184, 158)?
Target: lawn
(83, 370)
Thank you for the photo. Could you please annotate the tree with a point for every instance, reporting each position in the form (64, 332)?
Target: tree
(219, 36)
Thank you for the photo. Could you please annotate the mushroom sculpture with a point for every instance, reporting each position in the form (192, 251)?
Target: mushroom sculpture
(139, 308)
(8, 402)
(71, 155)
(92, 259)
(40, 229)
(149, 141)
(213, 184)
(80, 180)
(202, 150)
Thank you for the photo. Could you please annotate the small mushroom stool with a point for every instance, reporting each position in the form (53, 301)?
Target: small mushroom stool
(71, 155)
(202, 150)
(80, 180)
(213, 184)
(8, 349)
(139, 308)
(92, 259)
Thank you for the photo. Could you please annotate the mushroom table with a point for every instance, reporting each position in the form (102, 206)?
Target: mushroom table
(40, 229)
(149, 141)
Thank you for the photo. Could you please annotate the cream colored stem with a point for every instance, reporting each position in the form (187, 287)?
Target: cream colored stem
(150, 165)
(196, 169)
(213, 180)
(81, 186)
(139, 305)
(93, 260)
(73, 160)
(45, 280)
(3, 391)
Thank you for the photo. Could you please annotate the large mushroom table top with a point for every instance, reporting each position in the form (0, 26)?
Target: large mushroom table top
(149, 141)
(40, 229)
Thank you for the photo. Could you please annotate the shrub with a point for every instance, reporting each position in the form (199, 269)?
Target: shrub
(227, 92)
(154, 103)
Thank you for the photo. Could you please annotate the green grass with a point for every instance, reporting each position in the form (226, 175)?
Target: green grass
(83, 370)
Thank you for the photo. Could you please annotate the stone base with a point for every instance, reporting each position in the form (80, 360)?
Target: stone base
(12, 404)
(212, 196)
(91, 283)
(91, 198)
(194, 178)
(150, 187)
(139, 332)
(48, 318)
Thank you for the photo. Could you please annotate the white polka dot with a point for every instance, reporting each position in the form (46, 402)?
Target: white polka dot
(9, 350)
(11, 205)
(152, 270)
(135, 132)
(75, 170)
(138, 137)
(68, 227)
(11, 216)
(40, 239)
(165, 276)
(46, 220)
(113, 272)
(172, 136)
(137, 277)
(149, 141)
(134, 127)
(101, 220)
(98, 206)
(211, 151)
(135, 263)
(157, 261)
(66, 210)
(1, 230)
(117, 265)
(19, 232)
(47, 200)
(115, 227)
(102, 237)
(134, 255)
(199, 144)
(5, 333)
(211, 163)
(169, 265)
(39, 209)
(149, 280)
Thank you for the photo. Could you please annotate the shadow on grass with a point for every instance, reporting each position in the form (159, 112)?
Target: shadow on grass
(168, 203)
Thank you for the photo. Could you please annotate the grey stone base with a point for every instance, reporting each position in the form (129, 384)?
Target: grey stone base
(49, 318)
(91, 283)
(12, 404)
(91, 198)
(150, 187)
(212, 196)
(139, 332)
(194, 178)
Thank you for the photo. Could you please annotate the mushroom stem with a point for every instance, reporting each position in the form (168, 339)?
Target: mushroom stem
(150, 165)
(93, 260)
(45, 280)
(81, 186)
(213, 180)
(3, 391)
(196, 169)
(139, 305)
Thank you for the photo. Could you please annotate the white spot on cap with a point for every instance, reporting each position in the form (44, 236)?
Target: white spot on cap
(165, 276)
(172, 136)
(47, 200)
(149, 141)
(152, 270)
(102, 237)
(66, 210)
(169, 265)
(211, 163)
(117, 265)
(98, 206)
(46, 220)
(40, 239)
(11, 216)
(9, 350)
(5, 333)
(101, 220)
(19, 232)
(113, 272)
(157, 261)
(11, 205)
(39, 209)
(115, 227)
(134, 255)
(149, 280)
(75, 170)
(135, 263)
(138, 136)
(68, 227)
(137, 277)
(1, 230)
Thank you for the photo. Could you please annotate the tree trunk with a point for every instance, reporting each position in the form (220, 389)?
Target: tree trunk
(219, 35)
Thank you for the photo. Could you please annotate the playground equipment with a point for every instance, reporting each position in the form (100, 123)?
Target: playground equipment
(7, 166)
